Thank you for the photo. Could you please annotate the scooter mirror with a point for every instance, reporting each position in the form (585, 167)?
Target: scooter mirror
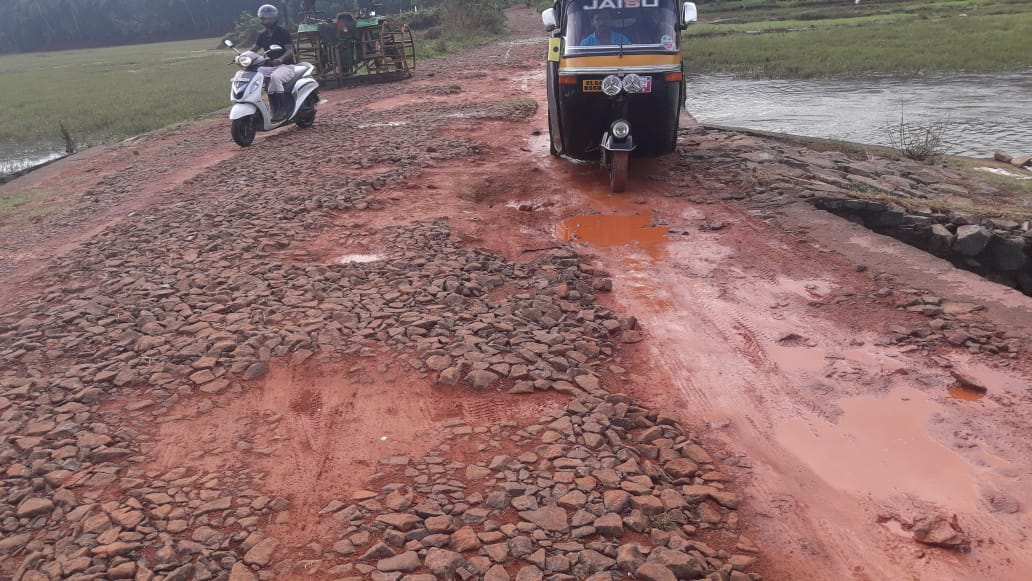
(275, 47)
(548, 19)
(228, 43)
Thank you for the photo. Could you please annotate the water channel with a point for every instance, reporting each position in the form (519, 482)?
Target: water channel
(14, 159)
(982, 112)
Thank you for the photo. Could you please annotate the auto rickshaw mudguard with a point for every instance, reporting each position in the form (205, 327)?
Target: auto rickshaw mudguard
(610, 143)
(554, 119)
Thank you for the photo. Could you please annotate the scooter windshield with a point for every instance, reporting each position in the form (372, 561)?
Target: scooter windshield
(626, 25)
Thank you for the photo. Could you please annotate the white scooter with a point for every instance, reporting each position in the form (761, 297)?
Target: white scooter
(250, 113)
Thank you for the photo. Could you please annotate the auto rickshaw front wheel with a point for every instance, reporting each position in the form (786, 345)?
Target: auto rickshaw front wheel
(618, 171)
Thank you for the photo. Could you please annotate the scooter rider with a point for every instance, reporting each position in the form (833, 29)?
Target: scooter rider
(281, 71)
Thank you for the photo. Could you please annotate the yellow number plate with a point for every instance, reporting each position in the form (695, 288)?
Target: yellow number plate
(591, 85)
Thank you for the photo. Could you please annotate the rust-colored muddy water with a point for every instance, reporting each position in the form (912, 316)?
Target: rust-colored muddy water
(880, 448)
(612, 230)
(958, 392)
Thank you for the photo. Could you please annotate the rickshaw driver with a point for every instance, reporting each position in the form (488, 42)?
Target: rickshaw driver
(604, 34)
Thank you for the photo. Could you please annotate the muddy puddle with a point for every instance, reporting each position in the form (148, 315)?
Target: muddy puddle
(880, 448)
(797, 358)
(612, 230)
(966, 394)
(977, 377)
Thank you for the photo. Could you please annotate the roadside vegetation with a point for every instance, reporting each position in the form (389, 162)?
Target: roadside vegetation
(1006, 211)
(837, 38)
(103, 95)
(21, 206)
(456, 25)
(1012, 182)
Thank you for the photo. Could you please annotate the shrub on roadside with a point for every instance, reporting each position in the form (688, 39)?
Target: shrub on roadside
(424, 19)
(245, 30)
(474, 16)
(920, 141)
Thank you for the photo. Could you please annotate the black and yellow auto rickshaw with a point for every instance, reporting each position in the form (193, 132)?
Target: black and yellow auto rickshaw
(615, 79)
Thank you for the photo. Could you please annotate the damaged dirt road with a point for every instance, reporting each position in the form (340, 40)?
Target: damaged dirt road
(409, 344)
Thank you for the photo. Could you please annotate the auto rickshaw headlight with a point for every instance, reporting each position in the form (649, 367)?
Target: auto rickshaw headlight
(632, 83)
(612, 85)
(620, 129)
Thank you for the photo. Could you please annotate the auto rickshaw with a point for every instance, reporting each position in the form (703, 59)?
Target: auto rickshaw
(615, 79)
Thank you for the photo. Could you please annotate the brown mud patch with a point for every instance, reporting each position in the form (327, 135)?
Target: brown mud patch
(317, 430)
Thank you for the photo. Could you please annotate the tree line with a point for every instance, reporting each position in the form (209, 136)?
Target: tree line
(39, 25)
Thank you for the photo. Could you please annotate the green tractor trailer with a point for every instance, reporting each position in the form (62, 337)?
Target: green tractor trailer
(363, 47)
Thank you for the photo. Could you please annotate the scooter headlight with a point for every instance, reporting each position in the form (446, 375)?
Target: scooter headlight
(244, 60)
(632, 83)
(612, 85)
(620, 129)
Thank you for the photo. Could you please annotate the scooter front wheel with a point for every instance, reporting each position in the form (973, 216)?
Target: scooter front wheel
(306, 115)
(243, 130)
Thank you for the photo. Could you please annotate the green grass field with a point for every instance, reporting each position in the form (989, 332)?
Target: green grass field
(108, 94)
(821, 38)
(104, 95)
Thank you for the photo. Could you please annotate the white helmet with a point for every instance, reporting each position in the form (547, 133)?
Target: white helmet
(268, 12)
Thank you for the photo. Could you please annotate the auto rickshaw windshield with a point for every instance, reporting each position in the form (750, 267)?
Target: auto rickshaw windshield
(646, 25)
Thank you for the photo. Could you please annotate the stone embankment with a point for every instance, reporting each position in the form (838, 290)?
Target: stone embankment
(926, 206)
(996, 248)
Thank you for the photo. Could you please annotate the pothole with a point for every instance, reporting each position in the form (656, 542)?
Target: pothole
(612, 230)
(383, 124)
(966, 394)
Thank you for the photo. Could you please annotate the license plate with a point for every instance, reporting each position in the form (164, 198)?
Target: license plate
(595, 85)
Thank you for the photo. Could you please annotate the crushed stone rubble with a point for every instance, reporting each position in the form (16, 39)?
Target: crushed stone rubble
(192, 299)
(600, 490)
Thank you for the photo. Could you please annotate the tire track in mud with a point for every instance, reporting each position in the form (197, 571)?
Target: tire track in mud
(484, 411)
(758, 383)
(727, 341)
(313, 433)
(830, 542)
(705, 330)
